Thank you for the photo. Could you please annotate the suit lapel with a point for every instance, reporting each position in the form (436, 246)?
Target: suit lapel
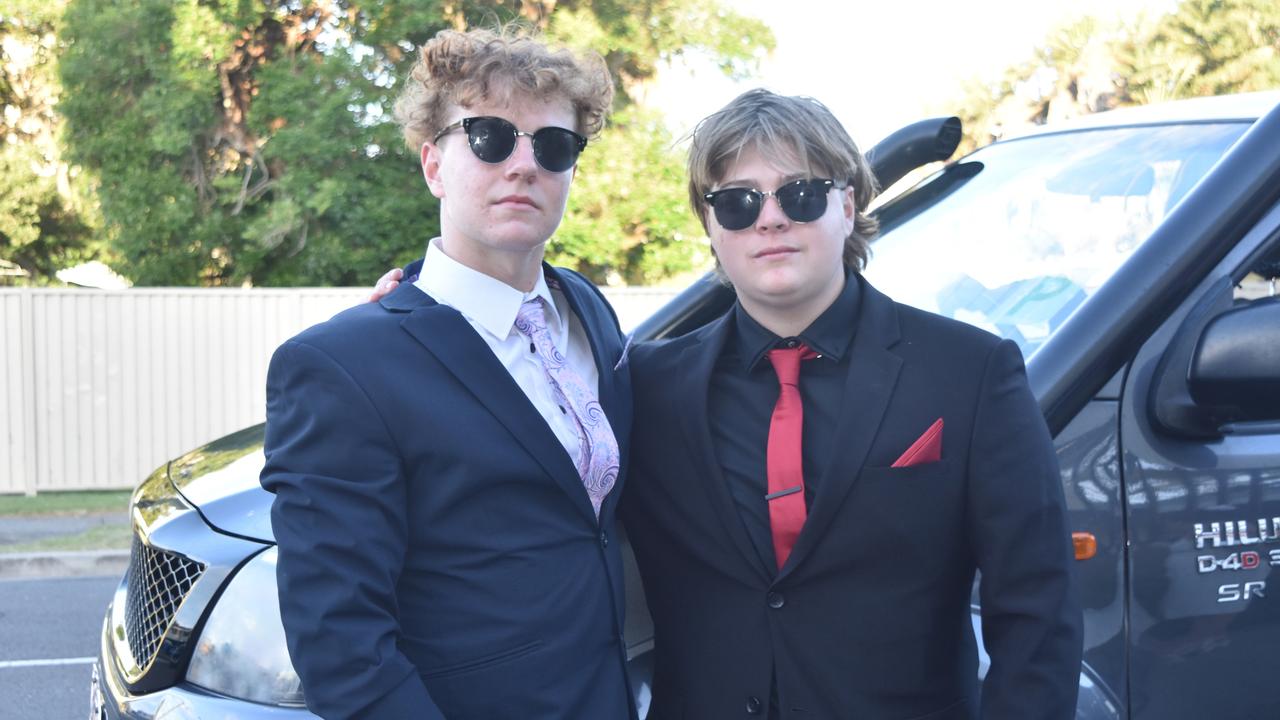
(612, 392)
(873, 374)
(452, 340)
(696, 364)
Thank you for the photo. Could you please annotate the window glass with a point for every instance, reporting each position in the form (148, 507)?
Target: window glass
(1016, 235)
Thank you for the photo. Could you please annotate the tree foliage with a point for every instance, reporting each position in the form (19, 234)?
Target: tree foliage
(47, 216)
(628, 217)
(1202, 47)
(249, 141)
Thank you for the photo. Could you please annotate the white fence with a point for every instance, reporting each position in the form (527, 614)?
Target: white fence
(101, 387)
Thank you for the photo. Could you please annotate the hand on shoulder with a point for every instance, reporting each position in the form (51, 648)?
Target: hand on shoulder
(389, 281)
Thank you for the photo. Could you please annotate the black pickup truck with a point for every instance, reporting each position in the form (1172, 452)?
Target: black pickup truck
(1132, 255)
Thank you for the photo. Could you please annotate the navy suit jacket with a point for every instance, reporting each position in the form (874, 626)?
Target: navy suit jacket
(870, 617)
(438, 554)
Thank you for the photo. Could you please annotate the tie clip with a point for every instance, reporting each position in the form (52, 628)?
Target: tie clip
(784, 493)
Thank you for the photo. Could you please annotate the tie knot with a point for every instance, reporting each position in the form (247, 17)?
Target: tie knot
(531, 315)
(786, 362)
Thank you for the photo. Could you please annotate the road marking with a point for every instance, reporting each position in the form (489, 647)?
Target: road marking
(7, 664)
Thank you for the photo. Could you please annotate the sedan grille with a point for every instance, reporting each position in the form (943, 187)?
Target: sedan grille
(158, 582)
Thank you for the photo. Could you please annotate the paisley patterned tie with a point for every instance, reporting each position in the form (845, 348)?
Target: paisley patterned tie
(597, 460)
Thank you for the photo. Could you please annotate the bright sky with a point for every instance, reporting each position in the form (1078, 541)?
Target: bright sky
(882, 65)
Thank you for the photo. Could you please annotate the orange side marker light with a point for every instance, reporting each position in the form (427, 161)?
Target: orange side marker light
(1086, 545)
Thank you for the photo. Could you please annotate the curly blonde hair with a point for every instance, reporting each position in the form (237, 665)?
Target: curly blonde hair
(471, 67)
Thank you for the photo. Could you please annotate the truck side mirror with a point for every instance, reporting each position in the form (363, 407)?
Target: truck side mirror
(1234, 374)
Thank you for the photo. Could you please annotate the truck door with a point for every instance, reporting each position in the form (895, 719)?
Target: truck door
(1200, 462)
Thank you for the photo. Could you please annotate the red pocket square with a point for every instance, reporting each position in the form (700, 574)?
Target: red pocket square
(926, 449)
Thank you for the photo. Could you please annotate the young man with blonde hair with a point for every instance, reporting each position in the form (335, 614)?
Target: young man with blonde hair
(817, 475)
(447, 461)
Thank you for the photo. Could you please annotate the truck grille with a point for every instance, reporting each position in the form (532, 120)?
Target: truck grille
(158, 581)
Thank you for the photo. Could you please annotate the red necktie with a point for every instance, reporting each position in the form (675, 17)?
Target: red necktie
(784, 462)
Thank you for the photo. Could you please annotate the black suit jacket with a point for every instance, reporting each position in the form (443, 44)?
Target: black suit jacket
(870, 618)
(438, 554)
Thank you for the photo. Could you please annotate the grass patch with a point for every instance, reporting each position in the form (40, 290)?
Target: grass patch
(101, 537)
(66, 503)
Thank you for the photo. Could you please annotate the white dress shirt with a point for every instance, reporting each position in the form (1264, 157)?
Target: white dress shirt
(490, 305)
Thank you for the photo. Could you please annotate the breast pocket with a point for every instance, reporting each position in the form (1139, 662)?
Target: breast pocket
(914, 510)
(906, 477)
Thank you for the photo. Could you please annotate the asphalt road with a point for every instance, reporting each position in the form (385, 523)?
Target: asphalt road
(46, 619)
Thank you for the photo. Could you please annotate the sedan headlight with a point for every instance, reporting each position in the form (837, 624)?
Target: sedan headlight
(242, 652)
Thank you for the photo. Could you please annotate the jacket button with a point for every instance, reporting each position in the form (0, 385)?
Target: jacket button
(776, 600)
(604, 539)
(754, 706)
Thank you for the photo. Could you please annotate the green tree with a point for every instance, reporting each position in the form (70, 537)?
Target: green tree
(47, 214)
(1071, 73)
(249, 141)
(628, 217)
(1202, 47)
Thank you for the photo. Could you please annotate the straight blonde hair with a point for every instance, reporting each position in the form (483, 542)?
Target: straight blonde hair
(795, 128)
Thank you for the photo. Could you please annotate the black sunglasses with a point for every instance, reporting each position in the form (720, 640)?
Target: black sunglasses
(802, 200)
(493, 139)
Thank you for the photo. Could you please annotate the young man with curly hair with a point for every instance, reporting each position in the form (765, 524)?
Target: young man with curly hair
(447, 461)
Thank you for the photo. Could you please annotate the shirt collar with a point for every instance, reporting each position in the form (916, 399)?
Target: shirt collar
(484, 300)
(829, 335)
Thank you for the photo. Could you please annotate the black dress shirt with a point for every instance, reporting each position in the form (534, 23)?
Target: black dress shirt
(744, 389)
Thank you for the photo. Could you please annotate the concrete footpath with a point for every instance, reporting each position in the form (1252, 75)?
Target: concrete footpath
(18, 530)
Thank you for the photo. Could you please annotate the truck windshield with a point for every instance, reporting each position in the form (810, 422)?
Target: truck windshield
(1013, 237)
